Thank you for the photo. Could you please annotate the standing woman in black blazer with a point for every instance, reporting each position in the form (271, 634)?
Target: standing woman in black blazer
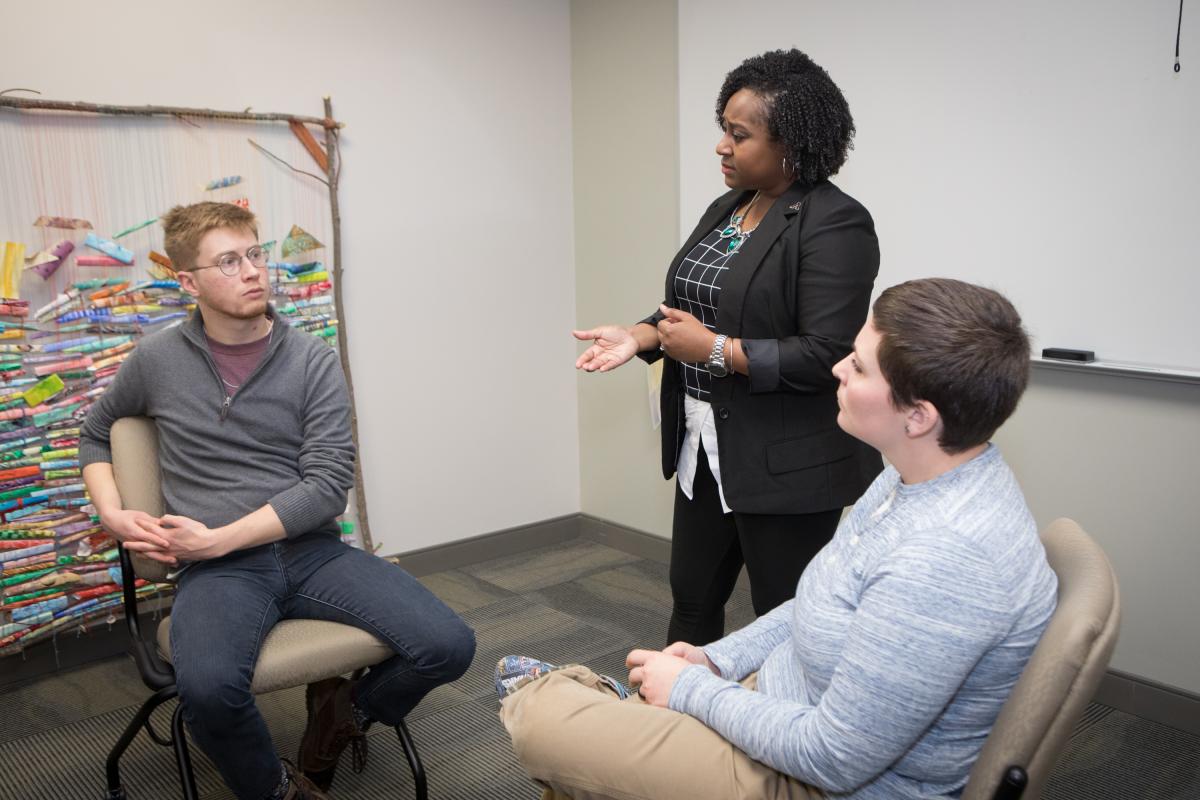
(763, 299)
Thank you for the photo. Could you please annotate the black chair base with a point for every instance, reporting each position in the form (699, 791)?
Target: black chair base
(112, 765)
(414, 760)
(160, 677)
(183, 759)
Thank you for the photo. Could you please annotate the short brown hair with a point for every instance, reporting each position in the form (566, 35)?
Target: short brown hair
(958, 346)
(185, 226)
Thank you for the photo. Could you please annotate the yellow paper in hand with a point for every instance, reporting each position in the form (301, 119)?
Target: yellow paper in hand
(654, 385)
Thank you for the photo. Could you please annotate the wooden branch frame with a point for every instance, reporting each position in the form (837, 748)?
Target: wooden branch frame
(333, 170)
(38, 104)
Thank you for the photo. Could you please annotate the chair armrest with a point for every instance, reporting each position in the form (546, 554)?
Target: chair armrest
(1013, 784)
(155, 672)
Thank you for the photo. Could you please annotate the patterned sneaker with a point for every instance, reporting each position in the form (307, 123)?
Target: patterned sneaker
(618, 688)
(513, 672)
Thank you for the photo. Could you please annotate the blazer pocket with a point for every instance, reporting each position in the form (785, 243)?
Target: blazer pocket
(809, 451)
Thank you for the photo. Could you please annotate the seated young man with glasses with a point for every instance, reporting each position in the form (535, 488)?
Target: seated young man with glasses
(253, 421)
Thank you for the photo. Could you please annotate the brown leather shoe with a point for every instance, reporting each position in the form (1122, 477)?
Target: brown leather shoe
(330, 729)
(300, 787)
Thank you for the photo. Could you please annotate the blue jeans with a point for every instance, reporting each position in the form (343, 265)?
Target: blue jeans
(224, 609)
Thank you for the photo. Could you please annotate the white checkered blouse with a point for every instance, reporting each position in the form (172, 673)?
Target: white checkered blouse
(698, 292)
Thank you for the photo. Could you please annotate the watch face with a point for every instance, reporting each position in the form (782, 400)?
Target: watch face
(717, 369)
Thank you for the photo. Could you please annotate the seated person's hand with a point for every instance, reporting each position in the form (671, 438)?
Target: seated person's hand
(187, 539)
(654, 673)
(693, 655)
(136, 530)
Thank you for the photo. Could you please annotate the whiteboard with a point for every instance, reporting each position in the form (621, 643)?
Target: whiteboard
(1045, 149)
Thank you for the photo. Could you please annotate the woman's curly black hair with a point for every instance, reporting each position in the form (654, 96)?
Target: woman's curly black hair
(806, 111)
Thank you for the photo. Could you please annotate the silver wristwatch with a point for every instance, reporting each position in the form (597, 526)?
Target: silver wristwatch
(716, 359)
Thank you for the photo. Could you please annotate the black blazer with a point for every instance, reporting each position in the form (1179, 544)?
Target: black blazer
(797, 295)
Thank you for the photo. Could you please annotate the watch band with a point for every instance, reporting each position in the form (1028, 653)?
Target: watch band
(717, 357)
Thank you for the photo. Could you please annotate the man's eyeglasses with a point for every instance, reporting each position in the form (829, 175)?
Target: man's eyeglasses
(230, 264)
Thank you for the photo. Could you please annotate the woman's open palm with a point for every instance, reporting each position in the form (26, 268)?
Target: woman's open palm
(613, 346)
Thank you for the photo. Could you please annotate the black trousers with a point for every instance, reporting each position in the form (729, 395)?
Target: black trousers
(708, 548)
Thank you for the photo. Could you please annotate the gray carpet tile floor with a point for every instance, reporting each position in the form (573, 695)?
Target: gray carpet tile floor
(576, 602)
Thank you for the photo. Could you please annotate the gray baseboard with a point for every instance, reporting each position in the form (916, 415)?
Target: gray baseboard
(635, 542)
(1150, 700)
(465, 552)
(630, 540)
(1129, 693)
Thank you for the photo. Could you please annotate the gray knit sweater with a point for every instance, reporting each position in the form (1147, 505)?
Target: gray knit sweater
(882, 678)
(283, 438)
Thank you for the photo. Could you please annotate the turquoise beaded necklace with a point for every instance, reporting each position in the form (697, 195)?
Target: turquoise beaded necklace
(733, 231)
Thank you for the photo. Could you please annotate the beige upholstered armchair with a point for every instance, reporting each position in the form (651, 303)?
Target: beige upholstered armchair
(296, 652)
(1061, 677)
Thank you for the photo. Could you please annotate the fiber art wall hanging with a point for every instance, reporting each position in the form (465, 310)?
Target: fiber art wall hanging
(83, 277)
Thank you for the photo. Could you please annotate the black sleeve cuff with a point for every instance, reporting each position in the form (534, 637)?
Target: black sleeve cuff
(762, 358)
(650, 356)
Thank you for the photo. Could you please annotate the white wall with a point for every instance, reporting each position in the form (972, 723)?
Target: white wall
(1046, 149)
(1121, 456)
(626, 202)
(456, 216)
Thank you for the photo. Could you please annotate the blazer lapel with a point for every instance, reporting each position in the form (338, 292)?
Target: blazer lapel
(720, 210)
(750, 257)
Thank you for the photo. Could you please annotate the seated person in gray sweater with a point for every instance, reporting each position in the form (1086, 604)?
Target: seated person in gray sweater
(254, 441)
(884, 675)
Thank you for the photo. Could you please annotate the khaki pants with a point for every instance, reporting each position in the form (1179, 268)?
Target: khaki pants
(576, 738)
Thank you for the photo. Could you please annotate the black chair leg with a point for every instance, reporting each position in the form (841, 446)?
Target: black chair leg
(112, 765)
(183, 759)
(414, 760)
